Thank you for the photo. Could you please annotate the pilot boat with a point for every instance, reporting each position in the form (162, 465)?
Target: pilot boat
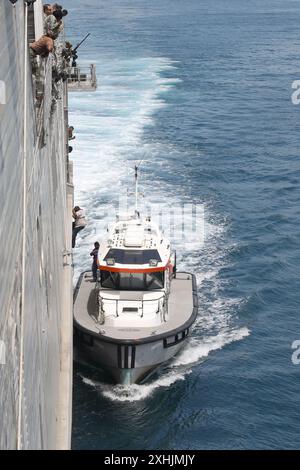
(139, 312)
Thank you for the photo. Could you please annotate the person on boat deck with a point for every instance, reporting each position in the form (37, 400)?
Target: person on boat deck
(94, 253)
(78, 224)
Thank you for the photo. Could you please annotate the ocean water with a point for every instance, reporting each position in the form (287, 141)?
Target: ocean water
(200, 90)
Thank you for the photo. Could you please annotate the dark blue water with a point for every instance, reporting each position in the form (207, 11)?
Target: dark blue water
(201, 90)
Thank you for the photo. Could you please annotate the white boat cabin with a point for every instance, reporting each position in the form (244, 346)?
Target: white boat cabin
(136, 268)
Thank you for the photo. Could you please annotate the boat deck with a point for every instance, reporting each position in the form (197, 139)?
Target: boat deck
(181, 307)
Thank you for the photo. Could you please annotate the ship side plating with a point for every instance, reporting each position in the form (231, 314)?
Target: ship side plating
(35, 242)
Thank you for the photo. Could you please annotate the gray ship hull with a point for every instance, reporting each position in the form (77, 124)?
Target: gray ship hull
(36, 194)
(131, 358)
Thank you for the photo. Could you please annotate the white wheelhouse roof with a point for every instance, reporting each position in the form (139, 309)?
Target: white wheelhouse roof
(137, 240)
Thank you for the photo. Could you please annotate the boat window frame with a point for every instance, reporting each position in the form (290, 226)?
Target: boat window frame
(115, 277)
(147, 255)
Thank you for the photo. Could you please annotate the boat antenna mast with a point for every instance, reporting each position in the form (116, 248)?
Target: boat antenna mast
(137, 214)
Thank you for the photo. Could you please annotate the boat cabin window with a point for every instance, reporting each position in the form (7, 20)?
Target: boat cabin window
(132, 281)
(132, 256)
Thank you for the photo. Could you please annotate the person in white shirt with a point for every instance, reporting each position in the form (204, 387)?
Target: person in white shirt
(78, 224)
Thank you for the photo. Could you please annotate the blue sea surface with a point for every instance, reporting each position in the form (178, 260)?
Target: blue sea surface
(200, 90)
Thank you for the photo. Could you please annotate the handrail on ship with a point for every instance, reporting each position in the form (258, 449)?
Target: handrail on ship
(162, 304)
(82, 78)
(43, 90)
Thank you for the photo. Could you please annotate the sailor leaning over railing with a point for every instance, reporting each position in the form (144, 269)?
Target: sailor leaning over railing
(53, 26)
(79, 223)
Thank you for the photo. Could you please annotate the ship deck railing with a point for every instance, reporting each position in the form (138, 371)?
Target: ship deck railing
(161, 302)
(82, 78)
(43, 92)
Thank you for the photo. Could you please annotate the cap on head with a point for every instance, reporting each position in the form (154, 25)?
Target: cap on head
(58, 14)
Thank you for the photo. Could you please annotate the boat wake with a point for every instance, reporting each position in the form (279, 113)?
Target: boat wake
(131, 393)
(110, 130)
(198, 349)
(194, 352)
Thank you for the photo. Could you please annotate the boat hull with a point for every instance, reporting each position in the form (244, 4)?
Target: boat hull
(126, 363)
(129, 355)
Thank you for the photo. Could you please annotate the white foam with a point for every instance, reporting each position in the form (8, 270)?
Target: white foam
(199, 348)
(132, 393)
(109, 127)
(192, 353)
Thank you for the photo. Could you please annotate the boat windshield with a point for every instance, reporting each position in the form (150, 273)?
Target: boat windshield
(132, 256)
(132, 281)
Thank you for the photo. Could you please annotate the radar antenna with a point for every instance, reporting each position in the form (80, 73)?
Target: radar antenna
(136, 188)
